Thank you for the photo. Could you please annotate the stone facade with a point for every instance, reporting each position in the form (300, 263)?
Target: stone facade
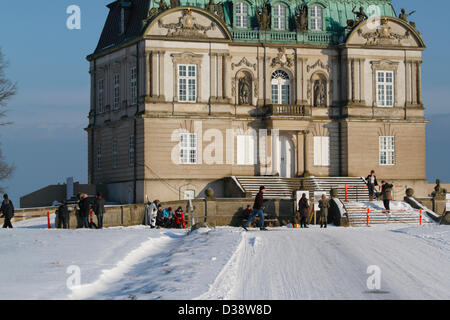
(317, 93)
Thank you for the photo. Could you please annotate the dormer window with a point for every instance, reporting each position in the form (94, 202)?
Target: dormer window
(316, 18)
(241, 15)
(279, 17)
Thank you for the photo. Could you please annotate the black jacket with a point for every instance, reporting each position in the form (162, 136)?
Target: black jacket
(7, 209)
(99, 206)
(259, 201)
(85, 207)
(63, 211)
(375, 182)
(386, 191)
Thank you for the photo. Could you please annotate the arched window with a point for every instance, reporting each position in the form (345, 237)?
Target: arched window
(281, 88)
(316, 18)
(241, 11)
(279, 17)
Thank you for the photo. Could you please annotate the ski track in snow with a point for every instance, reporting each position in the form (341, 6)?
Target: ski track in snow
(226, 263)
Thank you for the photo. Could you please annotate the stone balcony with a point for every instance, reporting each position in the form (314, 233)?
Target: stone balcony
(311, 37)
(289, 110)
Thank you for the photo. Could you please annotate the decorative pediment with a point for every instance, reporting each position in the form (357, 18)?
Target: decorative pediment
(318, 64)
(386, 32)
(243, 62)
(283, 59)
(187, 23)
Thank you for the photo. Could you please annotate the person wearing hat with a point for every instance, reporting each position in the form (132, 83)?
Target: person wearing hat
(257, 210)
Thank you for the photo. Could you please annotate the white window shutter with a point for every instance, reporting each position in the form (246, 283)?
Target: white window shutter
(317, 151)
(325, 151)
(240, 149)
(251, 150)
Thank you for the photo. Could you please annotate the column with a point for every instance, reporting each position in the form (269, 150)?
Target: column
(275, 151)
(408, 83)
(161, 94)
(307, 146)
(299, 83)
(419, 82)
(154, 74)
(300, 152)
(361, 81)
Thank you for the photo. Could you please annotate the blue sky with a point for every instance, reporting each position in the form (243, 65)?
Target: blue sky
(47, 142)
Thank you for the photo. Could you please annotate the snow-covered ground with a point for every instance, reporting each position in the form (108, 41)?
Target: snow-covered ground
(225, 263)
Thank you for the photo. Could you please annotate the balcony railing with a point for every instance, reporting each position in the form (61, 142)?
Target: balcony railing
(289, 110)
(311, 37)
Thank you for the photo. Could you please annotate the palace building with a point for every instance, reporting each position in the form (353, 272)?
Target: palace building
(186, 94)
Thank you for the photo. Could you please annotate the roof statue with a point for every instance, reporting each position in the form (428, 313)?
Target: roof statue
(264, 17)
(174, 3)
(216, 9)
(360, 17)
(301, 18)
(404, 16)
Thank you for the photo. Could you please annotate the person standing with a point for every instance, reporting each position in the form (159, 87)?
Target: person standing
(324, 204)
(85, 207)
(63, 216)
(386, 192)
(7, 210)
(303, 207)
(99, 209)
(372, 183)
(257, 210)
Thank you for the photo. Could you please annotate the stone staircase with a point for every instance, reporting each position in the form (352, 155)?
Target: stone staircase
(356, 186)
(357, 215)
(276, 187)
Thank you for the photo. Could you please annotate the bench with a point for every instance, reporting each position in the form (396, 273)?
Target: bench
(268, 222)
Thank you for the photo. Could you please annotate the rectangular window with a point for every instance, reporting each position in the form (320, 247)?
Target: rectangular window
(246, 150)
(316, 18)
(322, 151)
(188, 148)
(100, 100)
(242, 15)
(115, 154)
(99, 156)
(116, 102)
(279, 17)
(385, 88)
(133, 85)
(131, 150)
(187, 83)
(387, 151)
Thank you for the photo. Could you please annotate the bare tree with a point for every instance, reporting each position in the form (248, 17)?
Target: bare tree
(7, 90)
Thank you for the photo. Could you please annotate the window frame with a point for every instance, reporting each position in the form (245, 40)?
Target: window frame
(101, 96)
(116, 91)
(316, 22)
(191, 146)
(242, 16)
(387, 151)
(187, 97)
(115, 153)
(383, 102)
(131, 151)
(99, 156)
(133, 85)
(278, 19)
(279, 91)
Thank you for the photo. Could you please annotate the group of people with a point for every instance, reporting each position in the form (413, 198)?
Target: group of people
(156, 216)
(386, 190)
(82, 212)
(304, 210)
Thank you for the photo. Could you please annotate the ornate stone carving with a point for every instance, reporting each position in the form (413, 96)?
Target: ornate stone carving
(301, 19)
(282, 59)
(216, 9)
(320, 93)
(186, 27)
(263, 15)
(156, 11)
(245, 87)
(245, 62)
(318, 64)
(383, 36)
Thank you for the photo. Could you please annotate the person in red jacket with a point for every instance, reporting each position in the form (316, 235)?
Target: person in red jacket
(180, 223)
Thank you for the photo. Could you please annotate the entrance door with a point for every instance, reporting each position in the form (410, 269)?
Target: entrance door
(286, 158)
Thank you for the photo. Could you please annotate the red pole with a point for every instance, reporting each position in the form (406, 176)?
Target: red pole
(368, 213)
(345, 192)
(420, 216)
(48, 219)
(90, 214)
